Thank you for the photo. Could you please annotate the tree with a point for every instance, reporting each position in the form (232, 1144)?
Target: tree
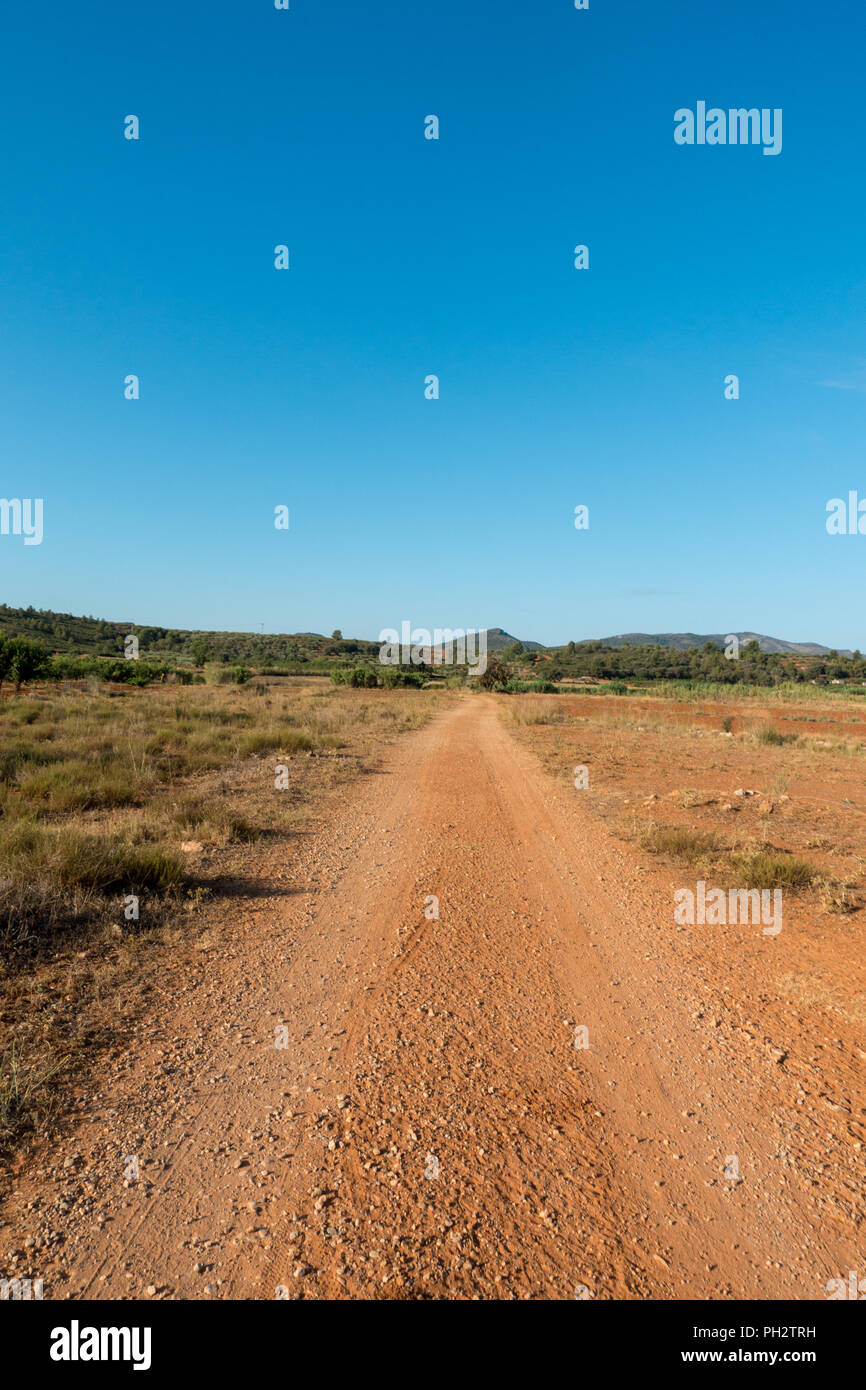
(199, 649)
(22, 661)
(496, 677)
(336, 635)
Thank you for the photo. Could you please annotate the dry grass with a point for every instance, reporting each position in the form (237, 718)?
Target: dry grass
(688, 846)
(52, 874)
(769, 735)
(534, 709)
(24, 1088)
(814, 992)
(759, 869)
(124, 768)
(754, 867)
(836, 898)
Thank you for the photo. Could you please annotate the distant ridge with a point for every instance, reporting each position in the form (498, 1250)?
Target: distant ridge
(498, 640)
(67, 633)
(683, 640)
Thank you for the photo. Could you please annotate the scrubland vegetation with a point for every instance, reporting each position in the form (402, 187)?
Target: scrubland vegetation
(73, 647)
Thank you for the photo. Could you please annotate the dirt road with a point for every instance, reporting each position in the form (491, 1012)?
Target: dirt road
(425, 1126)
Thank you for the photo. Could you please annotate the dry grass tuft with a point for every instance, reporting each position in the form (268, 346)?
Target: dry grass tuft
(690, 846)
(760, 869)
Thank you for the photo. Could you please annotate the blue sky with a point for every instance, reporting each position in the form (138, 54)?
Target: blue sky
(410, 257)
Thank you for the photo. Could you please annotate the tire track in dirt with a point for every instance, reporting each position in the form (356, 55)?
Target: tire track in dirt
(554, 1168)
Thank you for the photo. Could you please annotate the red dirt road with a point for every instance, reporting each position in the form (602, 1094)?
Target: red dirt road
(430, 1129)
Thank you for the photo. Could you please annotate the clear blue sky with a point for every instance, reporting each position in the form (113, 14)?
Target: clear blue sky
(411, 257)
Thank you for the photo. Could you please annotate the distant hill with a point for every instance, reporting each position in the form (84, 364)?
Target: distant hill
(682, 641)
(498, 639)
(67, 634)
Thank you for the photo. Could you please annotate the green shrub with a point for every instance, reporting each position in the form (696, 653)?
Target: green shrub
(22, 661)
(518, 687)
(394, 677)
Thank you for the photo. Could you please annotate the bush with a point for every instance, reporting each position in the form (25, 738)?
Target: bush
(217, 675)
(496, 677)
(516, 687)
(118, 670)
(394, 677)
(22, 661)
(367, 678)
